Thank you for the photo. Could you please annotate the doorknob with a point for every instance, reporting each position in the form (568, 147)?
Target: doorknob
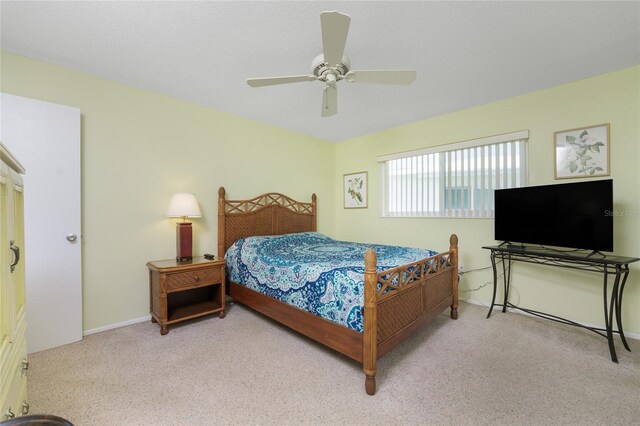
(72, 237)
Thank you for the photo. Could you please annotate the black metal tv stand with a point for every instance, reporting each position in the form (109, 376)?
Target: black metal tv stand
(618, 266)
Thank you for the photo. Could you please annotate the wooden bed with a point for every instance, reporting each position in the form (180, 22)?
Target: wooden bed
(409, 297)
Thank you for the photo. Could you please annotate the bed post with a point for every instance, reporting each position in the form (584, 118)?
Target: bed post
(370, 335)
(314, 213)
(453, 248)
(221, 217)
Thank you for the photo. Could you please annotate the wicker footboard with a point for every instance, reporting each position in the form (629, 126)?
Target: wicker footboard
(400, 300)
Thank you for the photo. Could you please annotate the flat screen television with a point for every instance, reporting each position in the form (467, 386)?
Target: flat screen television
(574, 215)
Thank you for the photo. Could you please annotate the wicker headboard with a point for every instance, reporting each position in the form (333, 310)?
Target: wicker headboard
(266, 214)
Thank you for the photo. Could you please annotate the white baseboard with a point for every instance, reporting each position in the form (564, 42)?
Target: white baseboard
(117, 325)
(635, 336)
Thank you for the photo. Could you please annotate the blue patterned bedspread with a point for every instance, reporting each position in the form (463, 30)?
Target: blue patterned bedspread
(312, 271)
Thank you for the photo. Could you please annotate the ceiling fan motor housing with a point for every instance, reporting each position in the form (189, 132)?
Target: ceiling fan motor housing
(320, 68)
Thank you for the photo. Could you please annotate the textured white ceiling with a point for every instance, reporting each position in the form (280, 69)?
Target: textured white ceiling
(466, 53)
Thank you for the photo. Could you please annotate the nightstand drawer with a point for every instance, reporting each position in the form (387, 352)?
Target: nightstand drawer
(193, 278)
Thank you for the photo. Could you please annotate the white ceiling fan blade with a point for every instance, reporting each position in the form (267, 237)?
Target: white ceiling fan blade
(403, 77)
(329, 101)
(335, 27)
(270, 81)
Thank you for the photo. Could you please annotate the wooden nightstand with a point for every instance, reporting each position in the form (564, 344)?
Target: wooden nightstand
(180, 291)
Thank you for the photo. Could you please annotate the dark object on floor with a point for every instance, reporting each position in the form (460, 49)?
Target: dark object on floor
(37, 420)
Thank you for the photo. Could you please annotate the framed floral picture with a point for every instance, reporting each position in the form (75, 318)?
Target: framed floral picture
(355, 190)
(582, 152)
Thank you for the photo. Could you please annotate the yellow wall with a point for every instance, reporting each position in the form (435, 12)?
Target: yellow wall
(610, 98)
(138, 148)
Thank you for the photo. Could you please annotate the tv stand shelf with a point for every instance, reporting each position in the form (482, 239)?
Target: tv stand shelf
(616, 266)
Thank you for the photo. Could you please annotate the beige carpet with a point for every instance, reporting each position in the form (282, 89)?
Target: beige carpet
(245, 369)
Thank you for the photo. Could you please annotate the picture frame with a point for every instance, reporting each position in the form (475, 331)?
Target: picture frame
(582, 152)
(355, 190)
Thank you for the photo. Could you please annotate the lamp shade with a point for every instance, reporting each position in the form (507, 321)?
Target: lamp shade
(183, 205)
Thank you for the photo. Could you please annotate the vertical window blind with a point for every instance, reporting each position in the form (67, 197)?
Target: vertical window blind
(456, 180)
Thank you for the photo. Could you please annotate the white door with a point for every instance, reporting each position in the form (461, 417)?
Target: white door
(46, 139)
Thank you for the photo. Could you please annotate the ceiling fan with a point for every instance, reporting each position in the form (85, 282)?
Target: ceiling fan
(333, 65)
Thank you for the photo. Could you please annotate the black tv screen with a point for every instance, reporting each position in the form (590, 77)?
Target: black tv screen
(576, 215)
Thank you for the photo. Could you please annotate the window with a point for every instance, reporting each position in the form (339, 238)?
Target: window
(454, 180)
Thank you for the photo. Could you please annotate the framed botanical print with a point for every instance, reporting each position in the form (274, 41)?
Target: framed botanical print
(355, 190)
(582, 152)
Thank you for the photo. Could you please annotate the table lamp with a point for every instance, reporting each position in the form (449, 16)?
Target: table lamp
(183, 205)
